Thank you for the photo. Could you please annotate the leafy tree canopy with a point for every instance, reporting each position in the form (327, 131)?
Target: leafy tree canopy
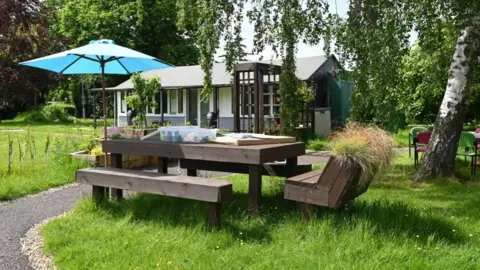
(23, 35)
(148, 26)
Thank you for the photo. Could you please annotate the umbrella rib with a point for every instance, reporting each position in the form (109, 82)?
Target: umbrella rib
(86, 57)
(113, 58)
(128, 72)
(71, 64)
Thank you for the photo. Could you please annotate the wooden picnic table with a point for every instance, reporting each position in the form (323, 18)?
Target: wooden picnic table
(211, 156)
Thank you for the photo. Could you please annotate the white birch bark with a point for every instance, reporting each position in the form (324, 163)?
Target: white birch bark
(441, 151)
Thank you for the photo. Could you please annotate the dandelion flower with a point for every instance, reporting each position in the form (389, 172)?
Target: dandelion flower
(169, 262)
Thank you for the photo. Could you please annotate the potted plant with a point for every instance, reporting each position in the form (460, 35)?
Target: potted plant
(358, 153)
(362, 151)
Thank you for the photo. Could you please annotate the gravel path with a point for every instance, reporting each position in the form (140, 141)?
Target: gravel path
(19, 216)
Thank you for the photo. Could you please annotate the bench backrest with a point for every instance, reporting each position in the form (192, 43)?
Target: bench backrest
(341, 182)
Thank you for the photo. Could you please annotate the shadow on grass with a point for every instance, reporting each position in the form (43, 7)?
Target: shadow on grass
(383, 217)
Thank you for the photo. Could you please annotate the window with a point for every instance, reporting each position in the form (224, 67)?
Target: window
(176, 101)
(173, 102)
(180, 101)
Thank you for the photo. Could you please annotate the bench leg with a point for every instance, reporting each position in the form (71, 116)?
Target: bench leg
(116, 193)
(307, 210)
(116, 161)
(99, 194)
(191, 172)
(213, 214)
(291, 167)
(162, 165)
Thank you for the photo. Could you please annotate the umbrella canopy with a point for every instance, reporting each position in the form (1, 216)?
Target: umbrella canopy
(88, 59)
(98, 57)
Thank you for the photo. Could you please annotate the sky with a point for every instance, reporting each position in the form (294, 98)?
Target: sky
(303, 49)
(336, 6)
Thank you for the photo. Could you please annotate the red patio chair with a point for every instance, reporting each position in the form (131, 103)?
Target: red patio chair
(420, 144)
(478, 131)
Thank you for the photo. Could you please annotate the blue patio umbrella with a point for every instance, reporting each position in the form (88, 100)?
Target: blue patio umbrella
(98, 57)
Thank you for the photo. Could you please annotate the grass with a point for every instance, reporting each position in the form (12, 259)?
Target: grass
(43, 171)
(400, 139)
(394, 225)
(317, 143)
(81, 125)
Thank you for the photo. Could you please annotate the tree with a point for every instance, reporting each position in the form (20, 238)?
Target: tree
(23, 35)
(374, 39)
(142, 97)
(279, 24)
(148, 26)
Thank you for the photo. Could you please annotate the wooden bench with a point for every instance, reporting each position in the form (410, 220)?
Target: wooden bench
(214, 192)
(279, 169)
(333, 186)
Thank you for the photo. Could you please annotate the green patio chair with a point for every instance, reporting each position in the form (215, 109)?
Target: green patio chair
(411, 138)
(468, 148)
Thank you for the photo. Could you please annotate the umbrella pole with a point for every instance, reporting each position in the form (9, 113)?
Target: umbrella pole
(104, 111)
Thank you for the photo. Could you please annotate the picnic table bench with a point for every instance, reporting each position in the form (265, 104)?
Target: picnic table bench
(212, 191)
(332, 186)
(211, 156)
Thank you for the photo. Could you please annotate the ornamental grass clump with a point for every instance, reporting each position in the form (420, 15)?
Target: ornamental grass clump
(366, 147)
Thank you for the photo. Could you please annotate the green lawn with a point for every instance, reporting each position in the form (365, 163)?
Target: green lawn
(393, 226)
(80, 126)
(41, 168)
(318, 143)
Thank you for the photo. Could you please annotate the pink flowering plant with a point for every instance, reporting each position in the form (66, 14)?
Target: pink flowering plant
(114, 133)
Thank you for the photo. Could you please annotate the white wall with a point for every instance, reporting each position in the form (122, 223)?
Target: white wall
(225, 101)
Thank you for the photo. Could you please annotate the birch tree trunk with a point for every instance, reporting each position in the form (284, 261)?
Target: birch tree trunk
(439, 160)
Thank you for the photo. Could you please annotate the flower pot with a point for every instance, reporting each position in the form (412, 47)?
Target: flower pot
(129, 132)
(128, 161)
(93, 160)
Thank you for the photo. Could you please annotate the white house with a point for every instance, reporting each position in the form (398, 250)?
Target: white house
(180, 98)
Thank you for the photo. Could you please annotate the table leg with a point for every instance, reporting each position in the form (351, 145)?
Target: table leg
(116, 162)
(291, 167)
(192, 172)
(162, 165)
(98, 194)
(254, 189)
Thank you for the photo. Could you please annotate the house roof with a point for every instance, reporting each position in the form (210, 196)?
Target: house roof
(192, 76)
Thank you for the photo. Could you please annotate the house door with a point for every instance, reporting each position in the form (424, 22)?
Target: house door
(193, 107)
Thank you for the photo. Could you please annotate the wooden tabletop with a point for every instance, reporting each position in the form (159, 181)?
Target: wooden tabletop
(248, 154)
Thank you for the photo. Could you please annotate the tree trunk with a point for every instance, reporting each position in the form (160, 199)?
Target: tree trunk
(439, 160)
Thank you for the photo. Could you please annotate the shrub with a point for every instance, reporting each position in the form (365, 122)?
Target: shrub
(96, 151)
(368, 147)
(317, 143)
(32, 116)
(59, 111)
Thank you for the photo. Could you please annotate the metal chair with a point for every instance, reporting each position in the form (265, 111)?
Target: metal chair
(468, 148)
(420, 144)
(412, 136)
